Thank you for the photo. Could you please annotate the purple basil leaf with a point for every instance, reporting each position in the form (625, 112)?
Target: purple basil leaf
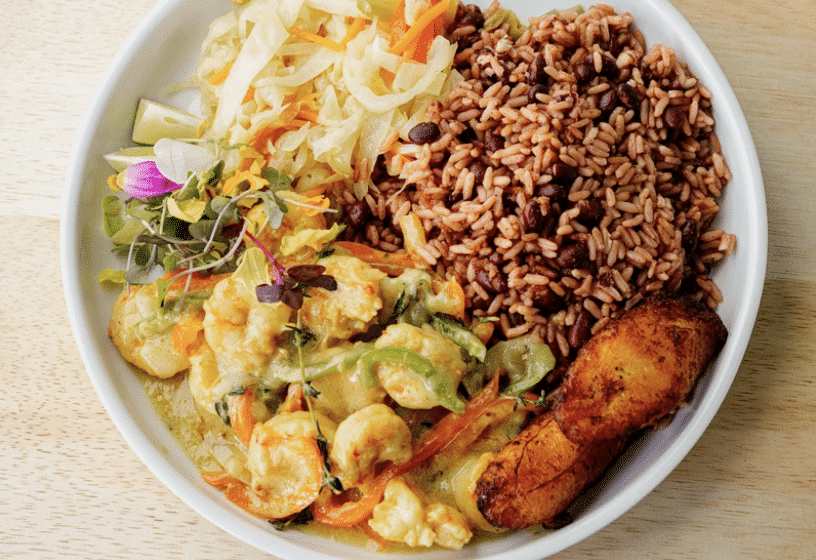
(292, 298)
(322, 281)
(269, 293)
(304, 272)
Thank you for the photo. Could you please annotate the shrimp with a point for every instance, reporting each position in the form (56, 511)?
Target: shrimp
(285, 465)
(240, 334)
(406, 387)
(239, 329)
(145, 334)
(367, 437)
(342, 393)
(402, 516)
(351, 308)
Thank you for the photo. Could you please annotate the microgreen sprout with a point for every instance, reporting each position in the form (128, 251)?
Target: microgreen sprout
(277, 269)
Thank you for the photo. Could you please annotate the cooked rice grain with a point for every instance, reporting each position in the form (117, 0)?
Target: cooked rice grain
(548, 205)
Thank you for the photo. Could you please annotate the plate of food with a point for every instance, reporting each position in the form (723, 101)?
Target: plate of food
(362, 278)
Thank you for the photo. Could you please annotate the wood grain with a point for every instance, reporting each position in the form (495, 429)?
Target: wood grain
(70, 487)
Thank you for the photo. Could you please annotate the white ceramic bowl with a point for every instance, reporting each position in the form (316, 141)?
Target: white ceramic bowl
(164, 49)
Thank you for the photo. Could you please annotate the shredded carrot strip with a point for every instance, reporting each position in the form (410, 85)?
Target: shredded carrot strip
(387, 76)
(354, 29)
(218, 479)
(398, 25)
(220, 76)
(185, 333)
(273, 132)
(246, 163)
(317, 39)
(241, 417)
(412, 36)
(308, 115)
(387, 262)
(250, 95)
(197, 281)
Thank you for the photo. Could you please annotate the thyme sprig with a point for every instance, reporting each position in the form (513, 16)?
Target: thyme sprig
(329, 480)
(545, 400)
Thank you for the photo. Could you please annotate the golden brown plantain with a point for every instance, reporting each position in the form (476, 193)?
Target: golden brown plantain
(536, 476)
(638, 369)
(628, 376)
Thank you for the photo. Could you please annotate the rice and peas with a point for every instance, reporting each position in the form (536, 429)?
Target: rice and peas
(571, 173)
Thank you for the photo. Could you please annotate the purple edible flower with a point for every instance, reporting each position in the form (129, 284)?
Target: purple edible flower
(143, 180)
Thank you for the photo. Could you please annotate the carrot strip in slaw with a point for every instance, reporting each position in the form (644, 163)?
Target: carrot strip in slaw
(250, 95)
(317, 39)
(219, 77)
(356, 27)
(398, 26)
(196, 280)
(410, 41)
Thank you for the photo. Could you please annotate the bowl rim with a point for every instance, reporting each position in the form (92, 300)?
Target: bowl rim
(209, 507)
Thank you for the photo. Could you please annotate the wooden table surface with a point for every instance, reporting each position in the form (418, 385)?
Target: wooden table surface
(70, 487)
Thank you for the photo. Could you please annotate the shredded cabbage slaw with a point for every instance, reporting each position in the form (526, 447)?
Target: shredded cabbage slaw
(317, 88)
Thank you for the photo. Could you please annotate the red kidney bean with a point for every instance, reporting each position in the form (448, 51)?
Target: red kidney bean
(552, 191)
(292, 298)
(546, 301)
(534, 91)
(515, 319)
(609, 67)
(473, 17)
(571, 255)
(580, 330)
(590, 211)
(628, 97)
(500, 282)
(536, 73)
(303, 272)
(478, 168)
(483, 279)
(584, 72)
(493, 142)
(424, 133)
(563, 174)
(532, 217)
(690, 233)
(479, 303)
(496, 284)
(606, 279)
(673, 117)
(608, 100)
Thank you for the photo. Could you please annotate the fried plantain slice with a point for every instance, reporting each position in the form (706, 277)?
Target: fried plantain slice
(638, 369)
(631, 374)
(536, 476)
